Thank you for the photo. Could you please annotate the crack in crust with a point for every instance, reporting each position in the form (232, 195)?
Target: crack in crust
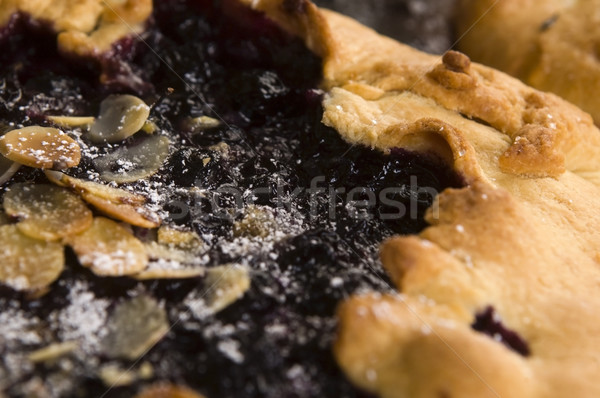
(523, 236)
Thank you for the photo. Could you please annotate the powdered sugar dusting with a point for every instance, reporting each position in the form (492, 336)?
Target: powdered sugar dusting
(83, 319)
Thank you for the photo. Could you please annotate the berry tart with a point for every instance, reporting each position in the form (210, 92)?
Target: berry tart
(191, 188)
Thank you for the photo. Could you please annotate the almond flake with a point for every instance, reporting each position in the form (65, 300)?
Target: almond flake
(135, 162)
(53, 351)
(109, 249)
(115, 195)
(201, 123)
(71, 121)
(132, 214)
(40, 147)
(224, 285)
(113, 202)
(27, 263)
(135, 327)
(45, 211)
(120, 117)
(170, 273)
(257, 222)
(178, 238)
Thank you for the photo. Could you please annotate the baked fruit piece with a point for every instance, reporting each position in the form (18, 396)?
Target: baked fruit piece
(551, 45)
(497, 297)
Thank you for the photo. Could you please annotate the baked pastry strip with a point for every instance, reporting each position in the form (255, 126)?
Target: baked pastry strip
(522, 237)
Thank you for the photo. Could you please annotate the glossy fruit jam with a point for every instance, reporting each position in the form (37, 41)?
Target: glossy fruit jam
(280, 194)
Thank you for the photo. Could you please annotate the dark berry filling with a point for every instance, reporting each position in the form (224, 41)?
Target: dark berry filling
(272, 149)
(488, 322)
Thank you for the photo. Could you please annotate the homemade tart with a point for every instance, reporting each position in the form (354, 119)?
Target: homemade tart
(550, 45)
(496, 296)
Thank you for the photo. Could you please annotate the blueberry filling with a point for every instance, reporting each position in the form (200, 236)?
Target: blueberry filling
(270, 151)
(489, 323)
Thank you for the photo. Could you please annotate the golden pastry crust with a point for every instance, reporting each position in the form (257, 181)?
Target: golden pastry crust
(522, 236)
(551, 45)
(84, 27)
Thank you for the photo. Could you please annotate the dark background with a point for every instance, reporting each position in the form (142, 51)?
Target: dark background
(425, 24)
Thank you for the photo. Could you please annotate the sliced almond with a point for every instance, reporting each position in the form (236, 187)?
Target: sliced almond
(131, 214)
(134, 162)
(169, 273)
(40, 147)
(157, 251)
(28, 263)
(134, 327)
(115, 195)
(178, 238)
(114, 375)
(8, 168)
(114, 202)
(146, 370)
(71, 121)
(120, 117)
(173, 252)
(109, 249)
(224, 285)
(163, 390)
(222, 147)
(45, 211)
(149, 127)
(257, 222)
(201, 123)
(53, 351)
(175, 246)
